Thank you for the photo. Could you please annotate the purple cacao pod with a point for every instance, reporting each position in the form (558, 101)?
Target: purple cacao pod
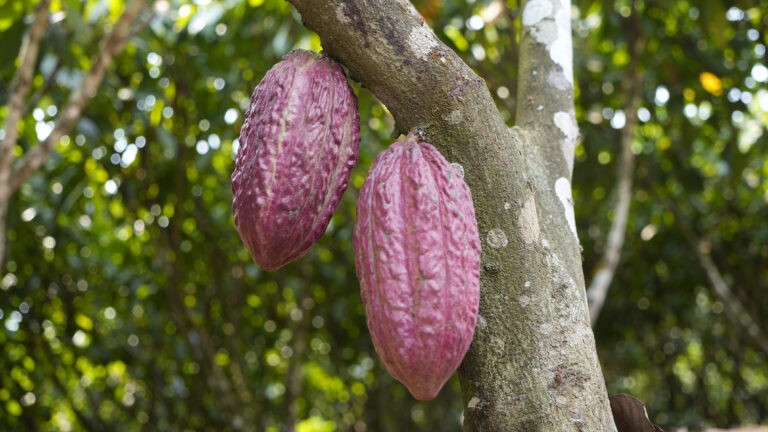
(298, 144)
(417, 252)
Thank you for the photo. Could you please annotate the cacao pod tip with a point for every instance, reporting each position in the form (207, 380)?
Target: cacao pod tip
(425, 394)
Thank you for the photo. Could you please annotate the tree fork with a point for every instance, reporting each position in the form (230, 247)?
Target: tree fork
(532, 365)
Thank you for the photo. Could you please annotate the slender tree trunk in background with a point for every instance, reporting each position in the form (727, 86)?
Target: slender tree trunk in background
(3, 238)
(533, 364)
(631, 86)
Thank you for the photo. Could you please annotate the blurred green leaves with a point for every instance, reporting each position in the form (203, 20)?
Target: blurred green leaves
(128, 300)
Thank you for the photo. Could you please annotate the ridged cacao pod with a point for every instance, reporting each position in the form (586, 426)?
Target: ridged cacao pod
(417, 252)
(298, 144)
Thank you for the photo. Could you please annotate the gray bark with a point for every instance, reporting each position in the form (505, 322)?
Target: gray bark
(532, 365)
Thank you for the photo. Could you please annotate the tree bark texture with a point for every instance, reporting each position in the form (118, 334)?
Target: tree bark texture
(532, 365)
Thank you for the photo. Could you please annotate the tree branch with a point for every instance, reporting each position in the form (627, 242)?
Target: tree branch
(545, 85)
(109, 47)
(35, 99)
(532, 285)
(631, 85)
(546, 116)
(387, 46)
(606, 267)
(733, 307)
(23, 81)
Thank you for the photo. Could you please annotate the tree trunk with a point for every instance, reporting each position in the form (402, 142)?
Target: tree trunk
(532, 365)
(631, 87)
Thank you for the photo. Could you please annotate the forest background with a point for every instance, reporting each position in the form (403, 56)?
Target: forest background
(128, 302)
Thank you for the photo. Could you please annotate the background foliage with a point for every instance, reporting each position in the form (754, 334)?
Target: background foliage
(128, 302)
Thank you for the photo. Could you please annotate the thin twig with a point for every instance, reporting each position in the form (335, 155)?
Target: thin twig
(109, 47)
(734, 309)
(35, 99)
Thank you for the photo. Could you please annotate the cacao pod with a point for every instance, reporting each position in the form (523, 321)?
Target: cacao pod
(417, 251)
(298, 143)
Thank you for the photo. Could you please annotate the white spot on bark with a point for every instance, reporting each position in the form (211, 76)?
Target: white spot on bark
(507, 206)
(496, 238)
(442, 59)
(524, 300)
(561, 50)
(545, 243)
(535, 11)
(546, 328)
(528, 283)
(577, 418)
(563, 192)
(567, 125)
(341, 15)
(564, 315)
(540, 107)
(458, 168)
(545, 32)
(550, 24)
(529, 222)
(557, 80)
(561, 400)
(454, 117)
(482, 324)
(421, 41)
(473, 402)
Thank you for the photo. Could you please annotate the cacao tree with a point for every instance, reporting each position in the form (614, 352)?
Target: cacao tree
(533, 363)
